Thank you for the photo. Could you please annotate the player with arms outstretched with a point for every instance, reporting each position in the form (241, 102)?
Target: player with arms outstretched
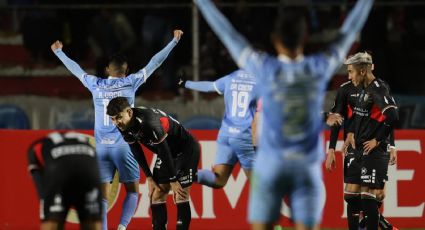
(112, 151)
(292, 88)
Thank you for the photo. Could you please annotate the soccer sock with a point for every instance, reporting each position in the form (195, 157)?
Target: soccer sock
(104, 214)
(159, 216)
(183, 215)
(383, 223)
(128, 208)
(353, 210)
(206, 177)
(370, 208)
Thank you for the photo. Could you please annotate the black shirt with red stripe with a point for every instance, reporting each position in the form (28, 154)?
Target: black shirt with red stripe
(368, 112)
(149, 127)
(344, 103)
(52, 152)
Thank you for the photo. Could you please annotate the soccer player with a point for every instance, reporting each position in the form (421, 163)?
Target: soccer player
(235, 136)
(344, 104)
(112, 151)
(292, 89)
(178, 156)
(65, 172)
(374, 114)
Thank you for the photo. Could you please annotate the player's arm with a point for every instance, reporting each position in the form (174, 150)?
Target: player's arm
(207, 86)
(35, 168)
(157, 59)
(71, 65)
(237, 45)
(140, 157)
(347, 35)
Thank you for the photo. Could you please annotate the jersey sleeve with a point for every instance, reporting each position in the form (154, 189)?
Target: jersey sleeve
(142, 75)
(340, 102)
(202, 86)
(220, 84)
(382, 98)
(87, 80)
(35, 166)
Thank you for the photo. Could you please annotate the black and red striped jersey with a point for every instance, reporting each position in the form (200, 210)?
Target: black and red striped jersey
(368, 111)
(149, 127)
(58, 147)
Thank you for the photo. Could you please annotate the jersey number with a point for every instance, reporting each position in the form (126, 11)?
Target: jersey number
(240, 102)
(105, 116)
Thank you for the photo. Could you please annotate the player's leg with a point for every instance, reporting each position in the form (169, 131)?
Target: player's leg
(128, 170)
(307, 194)
(352, 168)
(374, 175)
(266, 191)
(225, 160)
(91, 225)
(106, 170)
(159, 207)
(52, 225)
(184, 215)
(245, 153)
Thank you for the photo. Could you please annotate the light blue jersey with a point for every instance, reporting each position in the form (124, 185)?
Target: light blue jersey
(292, 90)
(238, 89)
(103, 90)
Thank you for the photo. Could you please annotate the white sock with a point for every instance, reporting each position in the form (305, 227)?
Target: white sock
(121, 227)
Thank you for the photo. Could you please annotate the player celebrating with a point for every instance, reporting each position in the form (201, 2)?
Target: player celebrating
(344, 103)
(177, 161)
(292, 88)
(374, 114)
(65, 172)
(235, 135)
(112, 151)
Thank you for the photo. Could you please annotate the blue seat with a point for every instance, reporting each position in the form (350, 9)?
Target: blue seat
(13, 117)
(202, 122)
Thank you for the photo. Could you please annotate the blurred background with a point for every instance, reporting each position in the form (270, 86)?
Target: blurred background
(37, 92)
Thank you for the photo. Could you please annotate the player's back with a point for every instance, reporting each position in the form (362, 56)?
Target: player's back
(240, 103)
(103, 90)
(292, 94)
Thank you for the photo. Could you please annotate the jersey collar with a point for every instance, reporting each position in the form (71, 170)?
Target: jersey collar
(286, 59)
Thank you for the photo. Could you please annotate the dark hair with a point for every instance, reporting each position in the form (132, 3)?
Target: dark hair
(117, 105)
(118, 61)
(291, 27)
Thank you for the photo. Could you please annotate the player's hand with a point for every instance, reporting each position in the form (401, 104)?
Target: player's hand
(334, 119)
(152, 185)
(349, 141)
(330, 160)
(178, 34)
(370, 145)
(178, 191)
(56, 45)
(393, 156)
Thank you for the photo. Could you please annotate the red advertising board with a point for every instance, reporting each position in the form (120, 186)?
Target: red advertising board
(219, 209)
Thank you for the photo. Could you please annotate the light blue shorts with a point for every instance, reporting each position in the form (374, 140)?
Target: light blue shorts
(231, 150)
(119, 158)
(275, 178)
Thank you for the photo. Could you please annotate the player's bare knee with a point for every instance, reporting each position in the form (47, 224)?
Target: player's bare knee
(159, 196)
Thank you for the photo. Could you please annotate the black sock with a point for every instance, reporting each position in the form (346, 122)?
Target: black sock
(183, 216)
(353, 210)
(370, 209)
(383, 223)
(159, 216)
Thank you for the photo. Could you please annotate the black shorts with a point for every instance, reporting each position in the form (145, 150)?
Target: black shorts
(72, 182)
(352, 167)
(374, 170)
(186, 165)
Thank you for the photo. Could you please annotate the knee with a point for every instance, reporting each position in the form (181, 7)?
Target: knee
(158, 196)
(220, 182)
(380, 196)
